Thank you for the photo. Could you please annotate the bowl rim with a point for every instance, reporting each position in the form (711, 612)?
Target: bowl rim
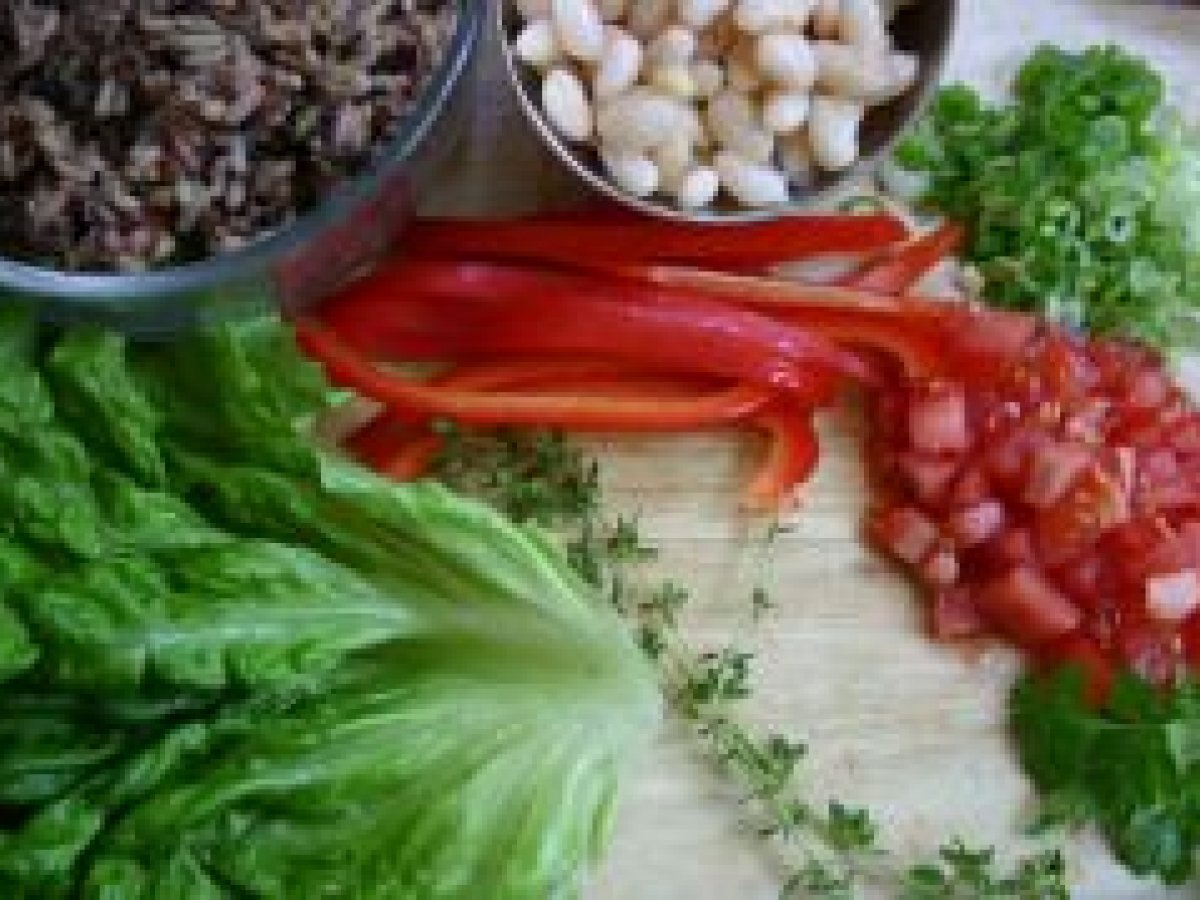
(798, 206)
(258, 255)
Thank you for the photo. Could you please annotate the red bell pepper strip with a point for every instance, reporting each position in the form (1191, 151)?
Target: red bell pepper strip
(562, 240)
(377, 442)
(456, 311)
(414, 458)
(897, 270)
(791, 458)
(421, 402)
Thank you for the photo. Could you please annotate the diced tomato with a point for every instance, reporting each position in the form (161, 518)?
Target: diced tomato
(1015, 547)
(1149, 389)
(940, 568)
(1172, 597)
(905, 532)
(1191, 642)
(1089, 579)
(1095, 504)
(972, 525)
(1185, 435)
(1086, 655)
(1153, 651)
(953, 614)
(1028, 608)
(927, 475)
(1052, 470)
(937, 420)
(1065, 367)
(970, 488)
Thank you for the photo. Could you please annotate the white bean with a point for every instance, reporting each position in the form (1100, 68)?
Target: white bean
(760, 16)
(852, 72)
(633, 173)
(641, 119)
(827, 20)
(785, 111)
(674, 79)
(699, 14)
(566, 104)
(533, 9)
(716, 41)
(646, 18)
(863, 25)
(708, 77)
(537, 44)
(698, 188)
(674, 46)
(611, 10)
(674, 158)
(619, 64)
(833, 127)
(750, 183)
(787, 59)
(795, 157)
(579, 27)
(734, 123)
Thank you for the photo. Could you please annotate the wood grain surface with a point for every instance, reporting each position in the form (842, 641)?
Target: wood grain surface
(893, 722)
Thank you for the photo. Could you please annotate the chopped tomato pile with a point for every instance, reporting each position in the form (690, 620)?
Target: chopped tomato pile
(1042, 487)
(1058, 507)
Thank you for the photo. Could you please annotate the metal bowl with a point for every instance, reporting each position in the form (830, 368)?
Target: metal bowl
(295, 265)
(924, 28)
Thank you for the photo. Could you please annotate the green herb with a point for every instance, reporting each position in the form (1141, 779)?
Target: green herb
(838, 845)
(1132, 766)
(965, 874)
(234, 666)
(1082, 198)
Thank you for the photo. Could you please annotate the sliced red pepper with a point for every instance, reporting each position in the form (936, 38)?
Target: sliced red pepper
(414, 458)
(376, 443)
(422, 401)
(565, 240)
(791, 458)
(440, 311)
(897, 270)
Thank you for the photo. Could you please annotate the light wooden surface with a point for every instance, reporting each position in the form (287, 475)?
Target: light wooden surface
(912, 730)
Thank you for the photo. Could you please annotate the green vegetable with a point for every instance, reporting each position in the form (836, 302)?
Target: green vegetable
(1132, 767)
(238, 667)
(1082, 199)
(542, 476)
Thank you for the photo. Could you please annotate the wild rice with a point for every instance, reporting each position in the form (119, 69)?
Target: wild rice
(137, 133)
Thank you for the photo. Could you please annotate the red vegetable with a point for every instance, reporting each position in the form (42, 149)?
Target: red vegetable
(577, 241)
(461, 311)
(420, 401)
(1028, 608)
(899, 269)
(792, 454)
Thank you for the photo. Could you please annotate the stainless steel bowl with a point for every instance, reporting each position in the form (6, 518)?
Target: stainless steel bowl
(295, 265)
(924, 28)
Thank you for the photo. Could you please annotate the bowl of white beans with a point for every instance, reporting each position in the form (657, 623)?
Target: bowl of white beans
(723, 110)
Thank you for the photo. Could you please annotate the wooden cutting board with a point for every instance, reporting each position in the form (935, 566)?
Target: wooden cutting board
(893, 722)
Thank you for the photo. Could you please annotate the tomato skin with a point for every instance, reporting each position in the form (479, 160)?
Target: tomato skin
(1028, 608)
(1191, 642)
(905, 532)
(927, 475)
(1015, 547)
(953, 614)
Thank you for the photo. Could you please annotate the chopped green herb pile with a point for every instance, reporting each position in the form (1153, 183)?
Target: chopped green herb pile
(1132, 767)
(235, 667)
(1082, 198)
(830, 851)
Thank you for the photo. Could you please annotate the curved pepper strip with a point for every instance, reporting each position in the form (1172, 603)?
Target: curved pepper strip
(420, 401)
(897, 271)
(425, 311)
(791, 458)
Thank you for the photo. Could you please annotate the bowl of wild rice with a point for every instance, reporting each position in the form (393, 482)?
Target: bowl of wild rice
(167, 160)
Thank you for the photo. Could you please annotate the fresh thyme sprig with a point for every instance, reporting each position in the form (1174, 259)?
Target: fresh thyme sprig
(540, 476)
